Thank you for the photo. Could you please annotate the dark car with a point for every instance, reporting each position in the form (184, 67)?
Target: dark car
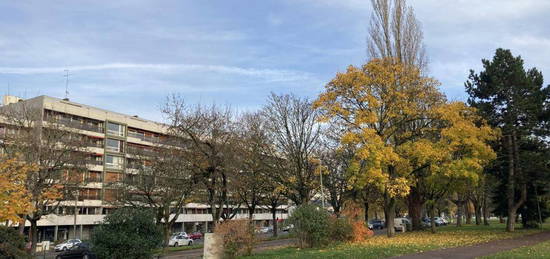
(377, 224)
(81, 250)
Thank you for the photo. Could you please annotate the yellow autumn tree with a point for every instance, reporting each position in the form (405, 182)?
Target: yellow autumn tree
(400, 124)
(14, 198)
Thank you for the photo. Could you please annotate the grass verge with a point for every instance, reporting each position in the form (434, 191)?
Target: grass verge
(172, 249)
(540, 251)
(405, 243)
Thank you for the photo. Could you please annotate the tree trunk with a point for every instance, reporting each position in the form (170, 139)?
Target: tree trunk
(33, 234)
(415, 204)
(366, 205)
(468, 213)
(274, 218)
(389, 212)
(485, 207)
(513, 168)
(432, 219)
(415, 208)
(166, 235)
(251, 210)
(510, 190)
(459, 207)
(477, 209)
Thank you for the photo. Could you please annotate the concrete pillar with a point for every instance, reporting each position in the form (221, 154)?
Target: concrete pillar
(206, 227)
(213, 246)
(195, 227)
(55, 233)
(80, 236)
(183, 227)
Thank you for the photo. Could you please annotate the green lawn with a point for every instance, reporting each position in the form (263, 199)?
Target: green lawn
(171, 249)
(410, 242)
(539, 251)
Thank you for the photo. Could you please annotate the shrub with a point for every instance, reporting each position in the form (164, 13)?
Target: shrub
(237, 236)
(340, 229)
(359, 230)
(127, 233)
(311, 225)
(12, 244)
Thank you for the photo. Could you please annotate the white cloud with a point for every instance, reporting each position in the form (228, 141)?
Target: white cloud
(273, 75)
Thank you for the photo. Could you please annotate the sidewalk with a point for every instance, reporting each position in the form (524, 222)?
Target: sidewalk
(467, 252)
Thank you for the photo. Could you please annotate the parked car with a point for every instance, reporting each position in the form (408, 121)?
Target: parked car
(179, 233)
(400, 224)
(196, 235)
(180, 240)
(439, 222)
(287, 228)
(67, 245)
(79, 250)
(426, 222)
(377, 224)
(370, 226)
(264, 230)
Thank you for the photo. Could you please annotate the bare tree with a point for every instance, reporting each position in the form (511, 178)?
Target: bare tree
(210, 150)
(252, 180)
(161, 179)
(294, 131)
(395, 32)
(336, 158)
(58, 151)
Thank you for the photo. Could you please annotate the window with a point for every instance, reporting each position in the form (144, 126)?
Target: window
(114, 162)
(113, 145)
(115, 129)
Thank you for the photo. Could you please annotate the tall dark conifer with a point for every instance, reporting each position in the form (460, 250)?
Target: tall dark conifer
(512, 99)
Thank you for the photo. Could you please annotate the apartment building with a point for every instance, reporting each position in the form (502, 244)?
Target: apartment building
(113, 138)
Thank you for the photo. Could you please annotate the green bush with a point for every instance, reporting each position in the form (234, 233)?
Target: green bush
(340, 229)
(12, 244)
(311, 225)
(127, 233)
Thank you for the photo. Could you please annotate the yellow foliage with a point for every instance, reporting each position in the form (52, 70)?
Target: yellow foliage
(400, 122)
(14, 198)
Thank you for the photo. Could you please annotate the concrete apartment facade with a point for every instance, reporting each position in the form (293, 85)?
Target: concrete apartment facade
(113, 138)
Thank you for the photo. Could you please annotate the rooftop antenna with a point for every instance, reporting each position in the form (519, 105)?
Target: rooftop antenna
(66, 83)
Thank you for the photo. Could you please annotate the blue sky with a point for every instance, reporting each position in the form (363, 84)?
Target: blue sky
(128, 55)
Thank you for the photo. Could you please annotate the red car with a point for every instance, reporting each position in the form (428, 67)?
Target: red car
(195, 236)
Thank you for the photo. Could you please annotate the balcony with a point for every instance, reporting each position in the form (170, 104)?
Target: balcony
(94, 162)
(143, 137)
(79, 125)
(140, 151)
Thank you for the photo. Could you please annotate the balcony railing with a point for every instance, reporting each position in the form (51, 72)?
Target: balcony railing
(78, 125)
(94, 162)
(140, 151)
(143, 137)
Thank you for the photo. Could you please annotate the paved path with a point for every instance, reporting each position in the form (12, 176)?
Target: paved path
(467, 252)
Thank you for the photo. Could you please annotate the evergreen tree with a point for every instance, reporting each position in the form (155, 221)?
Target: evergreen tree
(512, 99)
